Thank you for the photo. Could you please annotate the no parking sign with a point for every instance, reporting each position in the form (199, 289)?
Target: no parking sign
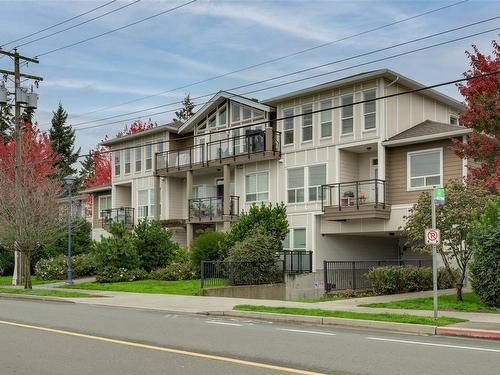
(432, 237)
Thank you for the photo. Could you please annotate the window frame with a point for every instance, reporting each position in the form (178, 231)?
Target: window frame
(409, 155)
(291, 240)
(257, 192)
(321, 122)
(369, 113)
(99, 209)
(127, 162)
(319, 198)
(138, 158)
(303, 116)
(148, 146)
(454, 116)
(303, 188)
(150, 206)
(342, 118)
(117, 157)
(290, 110)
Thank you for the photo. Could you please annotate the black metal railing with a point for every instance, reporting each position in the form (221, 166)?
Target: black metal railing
(226, 273)
(342, 275)
(212, 207)
(123, 215)
(296, 261)
(253, 142)
(354, 194)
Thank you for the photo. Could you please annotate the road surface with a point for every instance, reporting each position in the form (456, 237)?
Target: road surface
(61, 338)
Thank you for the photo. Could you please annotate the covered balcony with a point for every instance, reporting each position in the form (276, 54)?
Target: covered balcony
(123, 215)
(211, 209)
(365, 199)
(253, 146)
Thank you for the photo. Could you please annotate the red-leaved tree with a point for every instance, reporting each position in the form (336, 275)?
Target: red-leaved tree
(136, 127)
(482, 97)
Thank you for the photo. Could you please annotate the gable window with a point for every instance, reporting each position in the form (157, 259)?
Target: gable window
(296, 185)
(246, 113)
(222, 117)
(235, 112)
(257, 187)
(288, 126)
(453, 120)
(307, 120)
(347, 114)
(127, 161)
(326, 119)
(149, 156)
(370, 110)
(317, 177)
(145, 206)
(117, 163)
(138, 158)
(425, 169)
(212, 122)
(104, 204)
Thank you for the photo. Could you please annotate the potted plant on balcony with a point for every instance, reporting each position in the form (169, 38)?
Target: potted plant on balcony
(347, 199)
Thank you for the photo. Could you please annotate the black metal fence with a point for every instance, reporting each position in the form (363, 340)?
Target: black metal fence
(123, 215)
(212, 207)
(342, 275)
(296, 261)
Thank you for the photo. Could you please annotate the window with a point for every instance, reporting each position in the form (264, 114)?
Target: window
(127, 161)
(212, 122)
(424, 169)
(326, 119)
(453, 120)
(104, 204)
(222, 117)
(159, 146)
(296, 185)
(149, 156)
(370, 110)
(307, 122)
(296, 237)
(246, 113)
(317, 177)
(347, 114)
(257, 187)
(117, 163)
(235, 112)
(138, 158)
(257, 114)
(145, 206)
(288, 126)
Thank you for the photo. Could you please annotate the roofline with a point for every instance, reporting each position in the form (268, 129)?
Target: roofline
(362, 77)
(96, 189)
(424, 138)
(125, 138)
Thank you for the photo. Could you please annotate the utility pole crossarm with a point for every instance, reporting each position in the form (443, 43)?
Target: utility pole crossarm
(29, 76)
(14, 54)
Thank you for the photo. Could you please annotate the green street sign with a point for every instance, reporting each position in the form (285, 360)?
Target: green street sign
(438, 196)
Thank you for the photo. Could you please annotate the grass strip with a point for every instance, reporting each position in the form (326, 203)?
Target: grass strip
(7, 280)
(46, 293)
(382, 317)
(470, 303)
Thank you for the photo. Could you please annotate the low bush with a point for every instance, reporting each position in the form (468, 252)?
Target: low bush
(116, 253)
(174, 271)
(207, 247)
(447, 280)
(56, 268)
(114, 274)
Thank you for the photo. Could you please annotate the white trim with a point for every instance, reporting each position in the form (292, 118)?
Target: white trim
(342, 134)
(363, 114)
(268, 172)
(429, 137)
(99, 204)
(408, 178)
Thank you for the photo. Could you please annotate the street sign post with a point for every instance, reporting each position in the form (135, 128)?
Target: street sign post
(433, 237)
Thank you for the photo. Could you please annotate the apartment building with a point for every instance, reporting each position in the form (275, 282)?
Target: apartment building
(347, 175)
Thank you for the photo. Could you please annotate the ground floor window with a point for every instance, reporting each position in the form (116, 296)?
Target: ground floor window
(295, 239)
(145, 203)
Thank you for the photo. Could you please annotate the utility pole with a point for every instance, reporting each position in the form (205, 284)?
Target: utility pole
(18, 267)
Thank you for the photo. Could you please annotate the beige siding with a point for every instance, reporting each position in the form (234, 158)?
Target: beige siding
(397, 170)
(348, 166)
(96, 221)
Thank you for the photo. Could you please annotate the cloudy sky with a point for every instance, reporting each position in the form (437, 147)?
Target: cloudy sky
(209, 38)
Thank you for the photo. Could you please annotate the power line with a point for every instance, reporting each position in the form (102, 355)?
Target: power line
(117, 29)
(78, 24)
(58, 24)
(299, 71)
(306, 78)
(296, 53)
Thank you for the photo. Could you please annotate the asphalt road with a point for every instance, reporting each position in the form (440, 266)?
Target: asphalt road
(59, 338)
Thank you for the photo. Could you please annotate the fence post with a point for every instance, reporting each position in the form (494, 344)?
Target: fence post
(325, 275)
(202, 274)
(354, 275)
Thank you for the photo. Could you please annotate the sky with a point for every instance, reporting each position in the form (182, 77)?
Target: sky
(209, 38)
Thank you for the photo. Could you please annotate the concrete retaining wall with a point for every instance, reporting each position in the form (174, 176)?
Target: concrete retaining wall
(268, 291)
(306, 285)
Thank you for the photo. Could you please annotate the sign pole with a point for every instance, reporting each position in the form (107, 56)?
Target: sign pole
(434, 261)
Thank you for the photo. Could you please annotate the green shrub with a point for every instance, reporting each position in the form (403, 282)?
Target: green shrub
(111, 274)
(116, 253)
(174, 271)
(485, 268)
(397, 279)
(56, 268)
(154, 244)
(254, 260)
(445, 280)
(81, 241)
(209, 246)
(6, 262)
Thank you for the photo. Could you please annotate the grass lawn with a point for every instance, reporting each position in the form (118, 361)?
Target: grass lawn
(183, 287)
(7, 280)
(46, 293)
(471, 303)
(384, 317)
(321, 299)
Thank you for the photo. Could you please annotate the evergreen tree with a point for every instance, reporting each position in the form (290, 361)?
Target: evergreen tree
(186, 112)
(6, 121)
(63, 140)
(87, 169)
(27, 115)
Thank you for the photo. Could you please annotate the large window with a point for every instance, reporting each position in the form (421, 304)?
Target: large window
(326, 119)
(296, 185)
(257, 187)
(370, 110)
(425, 169)
(347, 114)
(145, 204)
(117, 163)
(127, 160)
(295, 239)
(288, 126)
(317, 177)
(104, 203)
(149, 156)
(307, 123)
(138, 158)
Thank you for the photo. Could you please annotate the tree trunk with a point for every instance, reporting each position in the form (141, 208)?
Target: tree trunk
(460, 298)
(27, 272)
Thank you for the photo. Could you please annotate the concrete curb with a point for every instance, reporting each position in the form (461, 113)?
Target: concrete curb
(357, 323)
(34, 298)
(468, 332)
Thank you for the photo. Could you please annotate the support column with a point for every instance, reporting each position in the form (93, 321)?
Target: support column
(189, 195)
(227, 197)
(157, 198)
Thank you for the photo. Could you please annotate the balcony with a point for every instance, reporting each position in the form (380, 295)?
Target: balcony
(364, 199)
(254, 146)
(123, 215)
(205, 210)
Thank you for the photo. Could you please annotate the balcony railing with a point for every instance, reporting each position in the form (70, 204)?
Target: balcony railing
(209, 209)
(227, 147)
(354, 194)
(123, 215)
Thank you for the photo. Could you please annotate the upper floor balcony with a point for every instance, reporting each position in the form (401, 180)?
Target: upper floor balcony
(253, 146)
(364, 199)
(211, 209)
(123, 215)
